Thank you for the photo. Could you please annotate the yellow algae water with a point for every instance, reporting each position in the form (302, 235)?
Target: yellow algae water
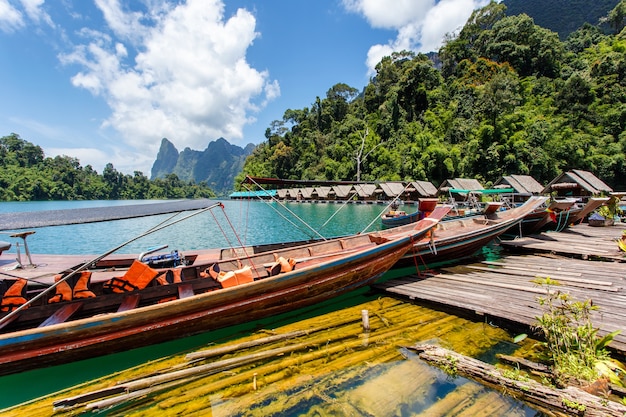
(322, 365)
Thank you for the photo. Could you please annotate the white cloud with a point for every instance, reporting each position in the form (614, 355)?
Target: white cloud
(11, 19)
(421, 25)
(123, 161)
(35, 11)
(180, 73)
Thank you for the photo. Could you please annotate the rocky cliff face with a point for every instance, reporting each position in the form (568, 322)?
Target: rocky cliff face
(218, 164)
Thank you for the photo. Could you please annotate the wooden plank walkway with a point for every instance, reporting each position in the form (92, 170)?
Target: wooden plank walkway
(579, 241)
(502, 292)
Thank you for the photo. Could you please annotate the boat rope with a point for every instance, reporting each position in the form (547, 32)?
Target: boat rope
(241, 245)
(344, 204)
(560, 226)
(102, 256)
(386, 208)
(431, 244)
(286, 208)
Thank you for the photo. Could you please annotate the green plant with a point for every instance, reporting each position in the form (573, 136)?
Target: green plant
(572, 345)
(450, 366)
(610, 209)
(573, 405)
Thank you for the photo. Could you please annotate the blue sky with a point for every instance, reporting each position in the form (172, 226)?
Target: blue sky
(106, 80)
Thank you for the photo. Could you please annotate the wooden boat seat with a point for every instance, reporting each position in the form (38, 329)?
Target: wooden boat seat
(62, 314)
(185, 290)
(485, 221)
(326, 247)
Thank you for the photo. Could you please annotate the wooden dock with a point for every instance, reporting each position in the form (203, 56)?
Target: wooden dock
(585, 260)
(580, 241)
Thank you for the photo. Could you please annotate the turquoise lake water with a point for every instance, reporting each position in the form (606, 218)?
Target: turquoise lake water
(248, 222)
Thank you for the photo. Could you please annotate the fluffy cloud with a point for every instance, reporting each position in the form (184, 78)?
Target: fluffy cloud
(11, 19)
(175, 71)
(421, 25)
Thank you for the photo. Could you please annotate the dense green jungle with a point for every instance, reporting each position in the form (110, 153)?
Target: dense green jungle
(504, 96)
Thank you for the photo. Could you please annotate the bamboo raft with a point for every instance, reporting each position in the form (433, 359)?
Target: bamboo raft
(325, 365)
(502, 292)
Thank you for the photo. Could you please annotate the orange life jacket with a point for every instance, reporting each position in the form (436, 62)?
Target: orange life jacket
(138, 276)
(64, 291)
(237, 277)
(81, 288)
(14, 296)
(281, 265)
(171, 276)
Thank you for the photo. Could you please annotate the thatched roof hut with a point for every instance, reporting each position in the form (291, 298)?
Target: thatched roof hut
(577, 183)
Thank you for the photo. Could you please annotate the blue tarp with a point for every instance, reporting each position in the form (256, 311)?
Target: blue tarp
(254, 194)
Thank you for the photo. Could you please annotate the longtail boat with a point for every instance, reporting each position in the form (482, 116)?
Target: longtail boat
(557, 214)
(462, 237)
(103, 306)
(455, 237)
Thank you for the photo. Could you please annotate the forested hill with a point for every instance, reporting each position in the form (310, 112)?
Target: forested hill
(26, 174)
(216, 166)
(562, 16)
(510, 98)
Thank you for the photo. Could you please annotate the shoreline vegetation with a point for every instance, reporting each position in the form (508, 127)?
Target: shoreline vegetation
(27, 175)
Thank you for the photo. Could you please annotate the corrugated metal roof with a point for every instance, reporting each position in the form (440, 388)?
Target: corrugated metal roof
(523, 184)
(594, 181)
(322, 192)
(424, 188)
(584, 179)
(307, 192)
(461, 183)
(342, 191)
(365, 190)
(392, 189)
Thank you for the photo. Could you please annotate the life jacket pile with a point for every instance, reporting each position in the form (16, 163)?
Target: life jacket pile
(281, 265)
(231, 278)
(137, 277)
(13, 293)
(171, 276)
(76, 287)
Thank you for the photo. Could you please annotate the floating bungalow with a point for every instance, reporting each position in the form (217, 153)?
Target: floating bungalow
(577, 183)
(342, 191)
(459, 184)
(523, 186)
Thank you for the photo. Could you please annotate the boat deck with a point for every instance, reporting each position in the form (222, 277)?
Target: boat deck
(45, 267)
(26, 220)
(502, 292)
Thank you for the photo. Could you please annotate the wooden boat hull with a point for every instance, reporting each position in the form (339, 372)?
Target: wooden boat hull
(119, 331)
(559, 215)
(456, 239)
(393, 221)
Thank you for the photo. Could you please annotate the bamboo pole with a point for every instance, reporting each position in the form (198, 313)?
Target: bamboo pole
(565, 402)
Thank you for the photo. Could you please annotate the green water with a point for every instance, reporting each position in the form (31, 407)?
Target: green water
(18, 388)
